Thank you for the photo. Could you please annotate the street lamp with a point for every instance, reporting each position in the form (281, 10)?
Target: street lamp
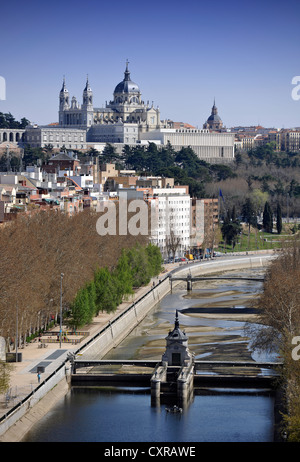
(17, 333)
(60, 317)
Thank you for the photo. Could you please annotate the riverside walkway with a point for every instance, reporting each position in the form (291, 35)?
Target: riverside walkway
(24, 375)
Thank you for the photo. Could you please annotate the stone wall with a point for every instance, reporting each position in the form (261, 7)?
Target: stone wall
(121, 326)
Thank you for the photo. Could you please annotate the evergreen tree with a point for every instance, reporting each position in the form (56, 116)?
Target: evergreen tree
(231, 228)
(278, 218)
(268, 218)
(249, 213)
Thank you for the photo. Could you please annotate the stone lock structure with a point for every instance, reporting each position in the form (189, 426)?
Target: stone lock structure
(175, 374)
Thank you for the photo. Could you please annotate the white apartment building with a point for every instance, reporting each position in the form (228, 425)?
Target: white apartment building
(172, 212)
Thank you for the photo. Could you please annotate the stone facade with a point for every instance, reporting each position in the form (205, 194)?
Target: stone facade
(12, 135)
(70, 137)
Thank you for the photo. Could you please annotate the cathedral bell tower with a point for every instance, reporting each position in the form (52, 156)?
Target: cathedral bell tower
(64, 102)
(87, 105)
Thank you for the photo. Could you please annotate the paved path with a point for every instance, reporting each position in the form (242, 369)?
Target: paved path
(24, 375)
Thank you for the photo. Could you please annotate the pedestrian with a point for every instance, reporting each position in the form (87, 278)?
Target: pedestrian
(39, 377)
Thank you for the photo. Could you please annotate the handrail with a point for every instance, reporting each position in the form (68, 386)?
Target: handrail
(21, 402)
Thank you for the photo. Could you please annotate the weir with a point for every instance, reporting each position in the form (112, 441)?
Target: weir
(190, 279)
(177, 375)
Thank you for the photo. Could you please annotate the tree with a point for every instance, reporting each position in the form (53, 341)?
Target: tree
(231, 228)
(278, 218)
(268, 218)
(110, 155)
(5, 370)
(123, 277)
(278, 324)
(24, 122)
(259, 198)
(154, 259)
(172, 243)
(249, 213)
(8, 121)
(279, 303)
(106, 291)
(81, 313)
(138, 262)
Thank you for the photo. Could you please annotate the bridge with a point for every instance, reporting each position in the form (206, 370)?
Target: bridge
(181, 382)
(177, 374)
(190, 279)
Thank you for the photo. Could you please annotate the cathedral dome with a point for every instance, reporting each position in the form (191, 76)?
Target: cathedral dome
(214, 118)
(214, 121)
(127, 85)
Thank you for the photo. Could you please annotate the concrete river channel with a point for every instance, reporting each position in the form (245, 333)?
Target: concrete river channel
(213, 315)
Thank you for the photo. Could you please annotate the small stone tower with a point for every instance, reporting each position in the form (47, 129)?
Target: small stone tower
(177, 352)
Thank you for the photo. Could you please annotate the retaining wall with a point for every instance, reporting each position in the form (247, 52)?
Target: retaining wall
(121, 326)
(17, 416)
(111, 335)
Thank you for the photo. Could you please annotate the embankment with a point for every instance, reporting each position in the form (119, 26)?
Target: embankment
(20, 419)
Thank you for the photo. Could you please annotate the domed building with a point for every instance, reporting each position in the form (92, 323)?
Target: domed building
(214, 121)
(127, 106)
(107, 124)
(127, 120)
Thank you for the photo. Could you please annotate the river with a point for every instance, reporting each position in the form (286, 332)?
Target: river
(213, 315)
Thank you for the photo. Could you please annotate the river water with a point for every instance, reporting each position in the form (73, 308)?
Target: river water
(213, 315)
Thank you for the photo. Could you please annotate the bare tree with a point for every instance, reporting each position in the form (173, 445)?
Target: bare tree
(35, 250)
(172, 243)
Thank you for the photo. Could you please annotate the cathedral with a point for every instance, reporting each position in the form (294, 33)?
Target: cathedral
(127, 120)
(110, 122)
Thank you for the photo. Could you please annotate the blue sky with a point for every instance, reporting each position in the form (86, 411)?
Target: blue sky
(181, 54)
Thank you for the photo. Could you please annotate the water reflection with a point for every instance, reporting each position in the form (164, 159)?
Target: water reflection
(92, 415)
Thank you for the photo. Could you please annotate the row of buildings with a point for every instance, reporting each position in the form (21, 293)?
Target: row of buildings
(181, 223)
(285, 140)
(126, 119)
(209, 145)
